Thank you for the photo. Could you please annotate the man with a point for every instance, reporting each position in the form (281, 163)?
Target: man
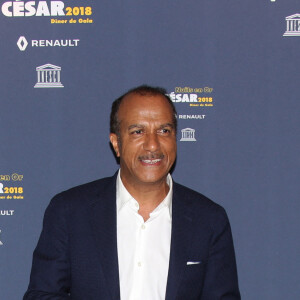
(136, 235)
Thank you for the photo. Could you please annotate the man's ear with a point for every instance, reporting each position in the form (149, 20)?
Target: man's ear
(114, 141)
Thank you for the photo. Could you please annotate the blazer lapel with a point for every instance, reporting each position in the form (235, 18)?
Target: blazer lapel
(104, 224)
(180, 241)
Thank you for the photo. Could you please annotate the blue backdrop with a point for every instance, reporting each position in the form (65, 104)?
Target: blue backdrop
(231, 68)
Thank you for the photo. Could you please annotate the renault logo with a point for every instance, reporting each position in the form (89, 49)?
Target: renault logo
(22, 43)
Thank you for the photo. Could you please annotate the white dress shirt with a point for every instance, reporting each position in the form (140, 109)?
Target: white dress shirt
(143, 247)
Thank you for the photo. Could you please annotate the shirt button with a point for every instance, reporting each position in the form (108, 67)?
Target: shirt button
(143, 226)
(139, 264)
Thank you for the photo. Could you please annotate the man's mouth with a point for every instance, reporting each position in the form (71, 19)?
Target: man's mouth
(152, 160)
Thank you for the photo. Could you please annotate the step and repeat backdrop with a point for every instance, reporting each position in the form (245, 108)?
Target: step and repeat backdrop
(232, 70)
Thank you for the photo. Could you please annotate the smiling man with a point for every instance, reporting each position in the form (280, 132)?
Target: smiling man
(144, 138)
(137, 235)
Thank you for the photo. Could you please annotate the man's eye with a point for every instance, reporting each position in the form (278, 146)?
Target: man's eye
(165, 131)
(139, 131)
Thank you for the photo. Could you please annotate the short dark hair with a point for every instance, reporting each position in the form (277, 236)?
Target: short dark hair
(141, 90)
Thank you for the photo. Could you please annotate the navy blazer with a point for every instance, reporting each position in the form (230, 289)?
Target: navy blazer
(76, 256)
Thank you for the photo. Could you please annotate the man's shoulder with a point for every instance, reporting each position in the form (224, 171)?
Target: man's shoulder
(93, 186)
(88, 192)
(195, 200)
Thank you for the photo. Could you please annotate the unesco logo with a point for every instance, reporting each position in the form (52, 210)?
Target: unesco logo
(188, 135)
(22, 43)
(292, 25)
(48, 76)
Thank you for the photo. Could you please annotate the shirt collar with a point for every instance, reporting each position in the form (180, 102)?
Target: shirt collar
(124, 197)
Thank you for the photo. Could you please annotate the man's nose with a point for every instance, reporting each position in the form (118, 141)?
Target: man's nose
(151, 142)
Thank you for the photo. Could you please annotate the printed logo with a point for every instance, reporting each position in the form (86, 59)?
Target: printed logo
(71, 15)
(191, 117)
(48, 76)
(12, 192)
(6, 212)
(0, 240)
(188, 135)
(194, 97)
(14, 177)
(19, 8)
(292, 25)
(11, 189)
(22, 43)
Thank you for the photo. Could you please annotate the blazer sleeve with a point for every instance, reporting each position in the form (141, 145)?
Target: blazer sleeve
(221, 281)
(50, 274)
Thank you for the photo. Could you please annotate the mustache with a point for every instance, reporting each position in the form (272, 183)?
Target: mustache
(151, 156)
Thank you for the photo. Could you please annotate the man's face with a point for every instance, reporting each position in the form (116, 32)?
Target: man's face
(147, 141)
